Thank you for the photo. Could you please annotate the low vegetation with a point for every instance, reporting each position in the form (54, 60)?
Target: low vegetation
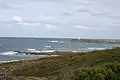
(94, 65)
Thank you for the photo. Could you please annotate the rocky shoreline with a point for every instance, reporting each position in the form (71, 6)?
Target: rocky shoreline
(44, 53)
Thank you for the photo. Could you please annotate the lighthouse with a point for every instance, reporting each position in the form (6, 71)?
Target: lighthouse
(78, 37)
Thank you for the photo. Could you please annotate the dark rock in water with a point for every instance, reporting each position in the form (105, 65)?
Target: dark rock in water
(20, 52)
(39, 53)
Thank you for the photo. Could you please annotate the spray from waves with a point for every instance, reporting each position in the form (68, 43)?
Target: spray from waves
(26, 51)
(39, 51)
(11, 61)
(9, 53)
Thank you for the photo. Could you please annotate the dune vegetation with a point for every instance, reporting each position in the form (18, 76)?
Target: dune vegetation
(93, 65)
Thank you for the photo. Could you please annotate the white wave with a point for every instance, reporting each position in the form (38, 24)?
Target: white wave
(48, 51)
(33, 50)
(74, 51)
(11, 61)
(8, 53)
(54, 55)
(93, 48)
(53, 41)
(28, 50)
(37, 51)
(100, 48)
(48, 46)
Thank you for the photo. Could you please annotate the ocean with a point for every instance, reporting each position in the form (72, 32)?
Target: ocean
(9, 45)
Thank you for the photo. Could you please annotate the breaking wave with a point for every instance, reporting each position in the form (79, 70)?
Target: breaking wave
(93, 48)
(8, 53)
(53, 41)
(49, 51)
(23, 52)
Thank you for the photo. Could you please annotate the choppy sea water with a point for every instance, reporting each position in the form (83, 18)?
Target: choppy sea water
(9, 45)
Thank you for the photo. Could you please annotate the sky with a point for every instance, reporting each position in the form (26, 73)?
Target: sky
(60, 18)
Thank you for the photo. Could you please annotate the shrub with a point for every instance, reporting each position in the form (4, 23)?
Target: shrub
(109, 71)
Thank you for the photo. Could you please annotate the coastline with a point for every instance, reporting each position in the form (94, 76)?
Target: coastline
(47, 54)
(60, 65)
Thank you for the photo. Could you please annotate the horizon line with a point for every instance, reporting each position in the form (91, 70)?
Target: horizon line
(57, 37)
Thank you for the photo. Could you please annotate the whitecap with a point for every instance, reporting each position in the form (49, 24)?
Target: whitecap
(33, 50)
(8, 53)
(93, 48)
(101, 48)
(11, 61)
(48, 51)
(53, 41)
(48, 46)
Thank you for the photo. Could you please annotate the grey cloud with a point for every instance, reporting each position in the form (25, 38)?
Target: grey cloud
(2, 6)
(51, 18)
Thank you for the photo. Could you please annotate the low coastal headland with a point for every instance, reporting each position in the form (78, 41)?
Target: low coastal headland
(111, 41)
(93, 65)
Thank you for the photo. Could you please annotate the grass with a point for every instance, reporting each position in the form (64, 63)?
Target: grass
(63, 64)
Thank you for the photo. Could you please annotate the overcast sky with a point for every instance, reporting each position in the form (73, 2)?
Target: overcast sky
(60, 18)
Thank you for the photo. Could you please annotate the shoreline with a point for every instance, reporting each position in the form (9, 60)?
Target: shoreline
(29, 57)
(48, 54)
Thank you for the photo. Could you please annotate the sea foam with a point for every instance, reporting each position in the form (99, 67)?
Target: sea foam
(8, 53)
